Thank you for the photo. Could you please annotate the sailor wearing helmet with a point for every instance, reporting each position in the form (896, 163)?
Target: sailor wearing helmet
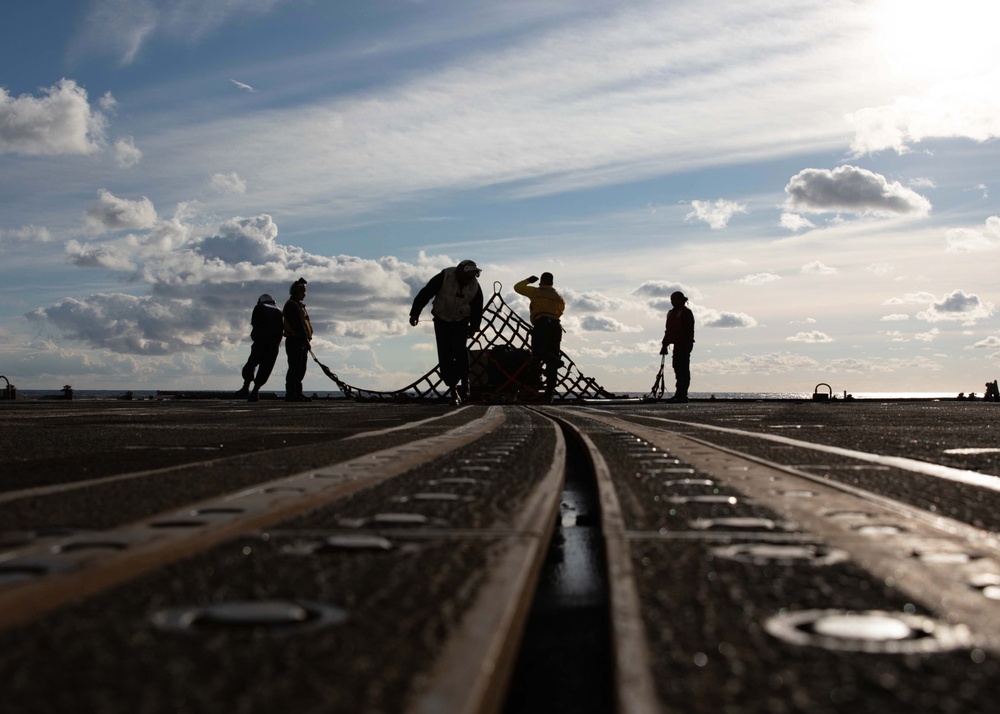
(458, 312)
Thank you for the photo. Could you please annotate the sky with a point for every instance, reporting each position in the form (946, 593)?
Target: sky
(818, 177)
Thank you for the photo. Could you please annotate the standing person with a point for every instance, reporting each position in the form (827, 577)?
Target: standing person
(546, 307)
(680, 333)
(457, 311)
(267, 326)
(298, 334)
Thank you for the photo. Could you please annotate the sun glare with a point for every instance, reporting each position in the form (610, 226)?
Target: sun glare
(939, 40)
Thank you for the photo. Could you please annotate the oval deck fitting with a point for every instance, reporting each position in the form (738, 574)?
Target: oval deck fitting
(763, 553)
(737, 523)
(281, 617)
(355, 541)
(987, 583)
(178, 536)
(873, 631)
(712, 498)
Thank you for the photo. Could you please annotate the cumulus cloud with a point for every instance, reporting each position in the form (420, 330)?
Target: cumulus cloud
(968, 108)
(927, 336)
(601, 323)
(957, 306)
(111, 213)
(25, 234)
(816, 267)
(758, 279)
(201, 288)
(664, 289)
(991, 343)
(895, 317)
(911, 299)
(852, 190)
(715, 213)
(126, 153)
(795, 222)
(590, 301)
(715, 318)
(59, 122)
(229, 183)
(812, 337)
(971, 240)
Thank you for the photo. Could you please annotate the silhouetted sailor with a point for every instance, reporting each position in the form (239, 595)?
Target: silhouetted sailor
(457, 311)
(679, 332)
(546, 307)
(267, 326)
(298, 334)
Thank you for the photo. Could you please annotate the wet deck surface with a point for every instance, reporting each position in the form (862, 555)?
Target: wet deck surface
(161, 555)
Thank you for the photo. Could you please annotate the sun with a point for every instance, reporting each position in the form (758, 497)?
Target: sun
(938, 40)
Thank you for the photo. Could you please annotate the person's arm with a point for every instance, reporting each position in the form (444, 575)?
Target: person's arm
(476, 312)
(432, 288)
(521, 287)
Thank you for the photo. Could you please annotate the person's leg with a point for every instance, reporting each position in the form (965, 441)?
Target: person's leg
(682, 371)
(268, 356)
(296, 353)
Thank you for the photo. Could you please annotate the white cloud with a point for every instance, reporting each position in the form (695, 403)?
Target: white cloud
(599, 323)
(816, 267)
(895, 317)
(201, 288)
(927, 336)
(970, 240)
(715, 318)
(957, 306)
(715, 213)
(922, 182)
(590, 301)
(229, 183)
(25, 234)
(122, 27)
(758, 279)
(968, 108)
(126, 153)
(812, 337)
(111, 213)
(911, 299)
(60, 122)
(854, 190)
(664, 289)
(795, 222)
(992, 343)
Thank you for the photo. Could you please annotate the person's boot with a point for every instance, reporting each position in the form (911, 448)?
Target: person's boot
(253, 397)
(244, 391)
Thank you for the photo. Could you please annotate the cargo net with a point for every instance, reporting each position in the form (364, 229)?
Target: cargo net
(501, 368)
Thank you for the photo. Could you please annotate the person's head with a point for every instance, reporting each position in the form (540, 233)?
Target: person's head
(677, 299)
(298, 289)
(546, 279)
(466, 271)
(265, 299)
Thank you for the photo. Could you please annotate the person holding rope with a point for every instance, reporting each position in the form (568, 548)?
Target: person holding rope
(546, 309)
(458, 312)
(298, 335)
(679, 332)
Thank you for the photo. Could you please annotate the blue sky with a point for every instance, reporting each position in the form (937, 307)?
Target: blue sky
(818, 177)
